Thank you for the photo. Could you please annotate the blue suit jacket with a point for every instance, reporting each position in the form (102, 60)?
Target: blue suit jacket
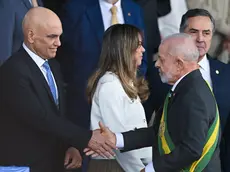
(83, 31)
(12, 13)
(220, 74)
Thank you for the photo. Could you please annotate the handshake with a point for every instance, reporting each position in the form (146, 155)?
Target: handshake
(102, 143)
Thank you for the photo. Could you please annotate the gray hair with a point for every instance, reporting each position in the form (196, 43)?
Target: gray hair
(186, 46)
(194, 13)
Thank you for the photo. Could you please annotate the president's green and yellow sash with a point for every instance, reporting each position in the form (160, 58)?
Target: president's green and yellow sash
(166, 146)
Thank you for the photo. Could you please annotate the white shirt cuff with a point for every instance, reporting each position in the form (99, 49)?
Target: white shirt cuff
(120, 140)
(149, 167)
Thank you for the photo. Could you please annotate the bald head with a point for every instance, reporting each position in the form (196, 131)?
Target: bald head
(182, 45)
(39, 17)
(178, 55)
(42, 29)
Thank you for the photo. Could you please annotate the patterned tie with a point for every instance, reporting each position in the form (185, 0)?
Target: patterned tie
(34, 3)
(50, 81)
(114, 15)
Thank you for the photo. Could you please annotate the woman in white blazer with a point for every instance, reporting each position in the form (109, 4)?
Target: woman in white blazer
(116, 93)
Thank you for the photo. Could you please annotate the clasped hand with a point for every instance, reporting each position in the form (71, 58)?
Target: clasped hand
(102, 143)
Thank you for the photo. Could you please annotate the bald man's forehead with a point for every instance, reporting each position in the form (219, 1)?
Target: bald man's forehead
(40, 16)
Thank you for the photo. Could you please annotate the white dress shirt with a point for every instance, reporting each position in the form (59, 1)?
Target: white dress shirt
(205, 70)
(39, 62)
(115, 109)
(107, 15)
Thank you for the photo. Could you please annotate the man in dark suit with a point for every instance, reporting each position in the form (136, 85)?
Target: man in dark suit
(33, 128)
(11, 15)
(200, 25)
(186, 135)
(82, 36)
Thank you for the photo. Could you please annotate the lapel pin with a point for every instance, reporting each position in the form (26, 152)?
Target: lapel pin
(129, 14)
(217, 72)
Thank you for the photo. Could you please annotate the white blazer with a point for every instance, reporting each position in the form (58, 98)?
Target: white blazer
(116, 110)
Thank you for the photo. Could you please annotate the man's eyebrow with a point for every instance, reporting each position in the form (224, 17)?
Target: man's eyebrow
(52, 35)
(193, 29)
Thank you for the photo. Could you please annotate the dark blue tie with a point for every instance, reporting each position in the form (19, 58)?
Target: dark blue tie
(50, 81)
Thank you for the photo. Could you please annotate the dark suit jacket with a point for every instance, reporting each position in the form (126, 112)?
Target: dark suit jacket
(33, 130)
(54, 5)
(11, 16)
(82, 38)
(191, 112)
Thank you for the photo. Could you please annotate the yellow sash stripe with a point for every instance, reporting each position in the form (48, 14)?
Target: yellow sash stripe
(165, 146)
(208, 145)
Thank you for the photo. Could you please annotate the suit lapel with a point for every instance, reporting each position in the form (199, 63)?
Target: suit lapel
(95, 18)
(36, 73)
(214, 72)
(128, 12)
(27, 3)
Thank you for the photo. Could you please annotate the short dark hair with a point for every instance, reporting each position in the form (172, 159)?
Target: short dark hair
(194, 13)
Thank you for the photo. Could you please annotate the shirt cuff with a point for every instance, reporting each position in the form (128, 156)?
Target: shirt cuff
(120, 140)
(149, 167)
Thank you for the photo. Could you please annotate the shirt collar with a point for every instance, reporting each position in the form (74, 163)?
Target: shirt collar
(38, 60)
(177, 82)
(204, 63)
(108, 6)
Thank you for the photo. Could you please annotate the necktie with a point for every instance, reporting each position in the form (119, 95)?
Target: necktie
(34, 3)
(50, 81)
(114, 15)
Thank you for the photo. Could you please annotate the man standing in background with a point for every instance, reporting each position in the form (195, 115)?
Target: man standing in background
(12, 13)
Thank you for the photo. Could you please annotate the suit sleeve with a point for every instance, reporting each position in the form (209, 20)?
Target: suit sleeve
(191, 147)
(18, 92)
(139, 138)
(111, 99)
(7, 19)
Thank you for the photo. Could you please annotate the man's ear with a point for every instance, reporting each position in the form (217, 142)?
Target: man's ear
(180, 63)
(31, 36)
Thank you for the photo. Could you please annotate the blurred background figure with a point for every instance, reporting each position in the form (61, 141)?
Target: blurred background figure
(12, 13)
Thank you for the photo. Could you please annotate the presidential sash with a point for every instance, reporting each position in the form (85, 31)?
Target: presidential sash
(166, 145)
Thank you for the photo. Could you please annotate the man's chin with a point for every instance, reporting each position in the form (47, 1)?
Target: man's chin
(202, 52)
(163, 79)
